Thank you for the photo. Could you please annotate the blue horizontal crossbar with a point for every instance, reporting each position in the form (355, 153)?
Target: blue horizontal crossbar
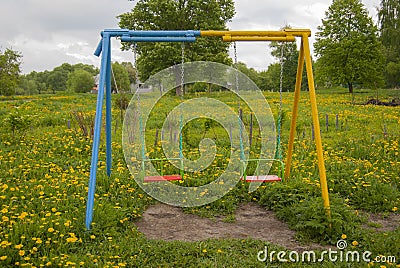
(126, 32)
(158, 39)
(164, 33)
(148, 36)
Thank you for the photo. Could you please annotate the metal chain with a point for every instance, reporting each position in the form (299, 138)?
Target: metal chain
(135, 66)
(182, 68)
(141, 131)
(281, 77)
(242, 156)
(236, 67)
(279, 145)
(181, 109)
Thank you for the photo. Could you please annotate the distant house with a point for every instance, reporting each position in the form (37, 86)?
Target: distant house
(141, 89)
(96, 84)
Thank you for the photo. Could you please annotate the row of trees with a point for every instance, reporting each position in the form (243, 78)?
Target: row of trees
(350, 49)
(72, 78)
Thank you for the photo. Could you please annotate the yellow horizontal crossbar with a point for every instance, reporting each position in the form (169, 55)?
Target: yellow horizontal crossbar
(287, 35)
(229, 38)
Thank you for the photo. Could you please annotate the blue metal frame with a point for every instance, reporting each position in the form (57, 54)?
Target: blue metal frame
(104, 49)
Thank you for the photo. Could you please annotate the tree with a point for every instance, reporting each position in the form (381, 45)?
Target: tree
(348, 47)
(57, 80)
(131, 72)
(389, 20)
(182, 15)
(10, 62)
(80, 81)
(288, 55)
(121, 76)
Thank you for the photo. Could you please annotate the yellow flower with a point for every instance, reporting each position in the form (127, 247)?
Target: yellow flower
(3, 258)
(18, 246)
(92, 236)
(72, 239)
(50, 230)
(344, 236)
(21, 252)
(354, 243)
(394, 209)
(204, 250)
(219, 251)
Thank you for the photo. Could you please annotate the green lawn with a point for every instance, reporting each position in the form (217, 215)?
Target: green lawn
(45, 169)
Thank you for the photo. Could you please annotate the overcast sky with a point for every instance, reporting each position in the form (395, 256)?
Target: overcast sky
(49, 33)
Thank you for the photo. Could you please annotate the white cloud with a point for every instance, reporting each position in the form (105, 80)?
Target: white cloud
(49, 33)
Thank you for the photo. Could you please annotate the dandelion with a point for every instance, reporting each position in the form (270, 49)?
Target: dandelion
(344, 236)
(204, 250)
(219, 250)
(72, 239)
(394, 209)
(354, 243)
(50, 230)
(21, 253)
(18, 246)
(3, 258)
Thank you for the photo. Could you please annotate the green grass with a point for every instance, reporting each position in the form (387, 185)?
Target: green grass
(45, 168)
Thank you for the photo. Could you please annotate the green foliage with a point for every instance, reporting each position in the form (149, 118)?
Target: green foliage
(10, 62)
(120, 78)
(182, 15)
(389, 19)
(131, 72)
(18, 123)
(121, 103)
(80, 81)
(288, 55)
(52, 81)
(348, 47)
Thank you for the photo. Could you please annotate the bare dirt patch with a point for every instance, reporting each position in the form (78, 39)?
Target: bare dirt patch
(380, 223)
(169, 223)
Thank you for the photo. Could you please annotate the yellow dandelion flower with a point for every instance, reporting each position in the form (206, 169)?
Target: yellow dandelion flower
(354, 243)
(21, 252)
(72, 239)
(394, 209)
(344, 236)
(50, 230)
(18, 246)
(204, 250)
(3, 258)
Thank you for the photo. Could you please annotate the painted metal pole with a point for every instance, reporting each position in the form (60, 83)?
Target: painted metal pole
(108, 113)
(318, 140)
(162, 33)
(295, 111)
(136, 39)
(97, 132)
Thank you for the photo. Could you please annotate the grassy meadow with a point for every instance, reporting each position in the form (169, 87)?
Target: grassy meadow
(44, 169)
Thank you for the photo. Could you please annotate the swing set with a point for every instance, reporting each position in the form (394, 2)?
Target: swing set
(132, 36)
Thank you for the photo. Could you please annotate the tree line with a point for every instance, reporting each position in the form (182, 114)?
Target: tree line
(350, 49)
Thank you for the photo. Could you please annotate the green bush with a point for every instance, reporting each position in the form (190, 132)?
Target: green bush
(18, 123)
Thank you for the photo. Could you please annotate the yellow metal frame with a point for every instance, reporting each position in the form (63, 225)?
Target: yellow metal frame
(289, 35)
